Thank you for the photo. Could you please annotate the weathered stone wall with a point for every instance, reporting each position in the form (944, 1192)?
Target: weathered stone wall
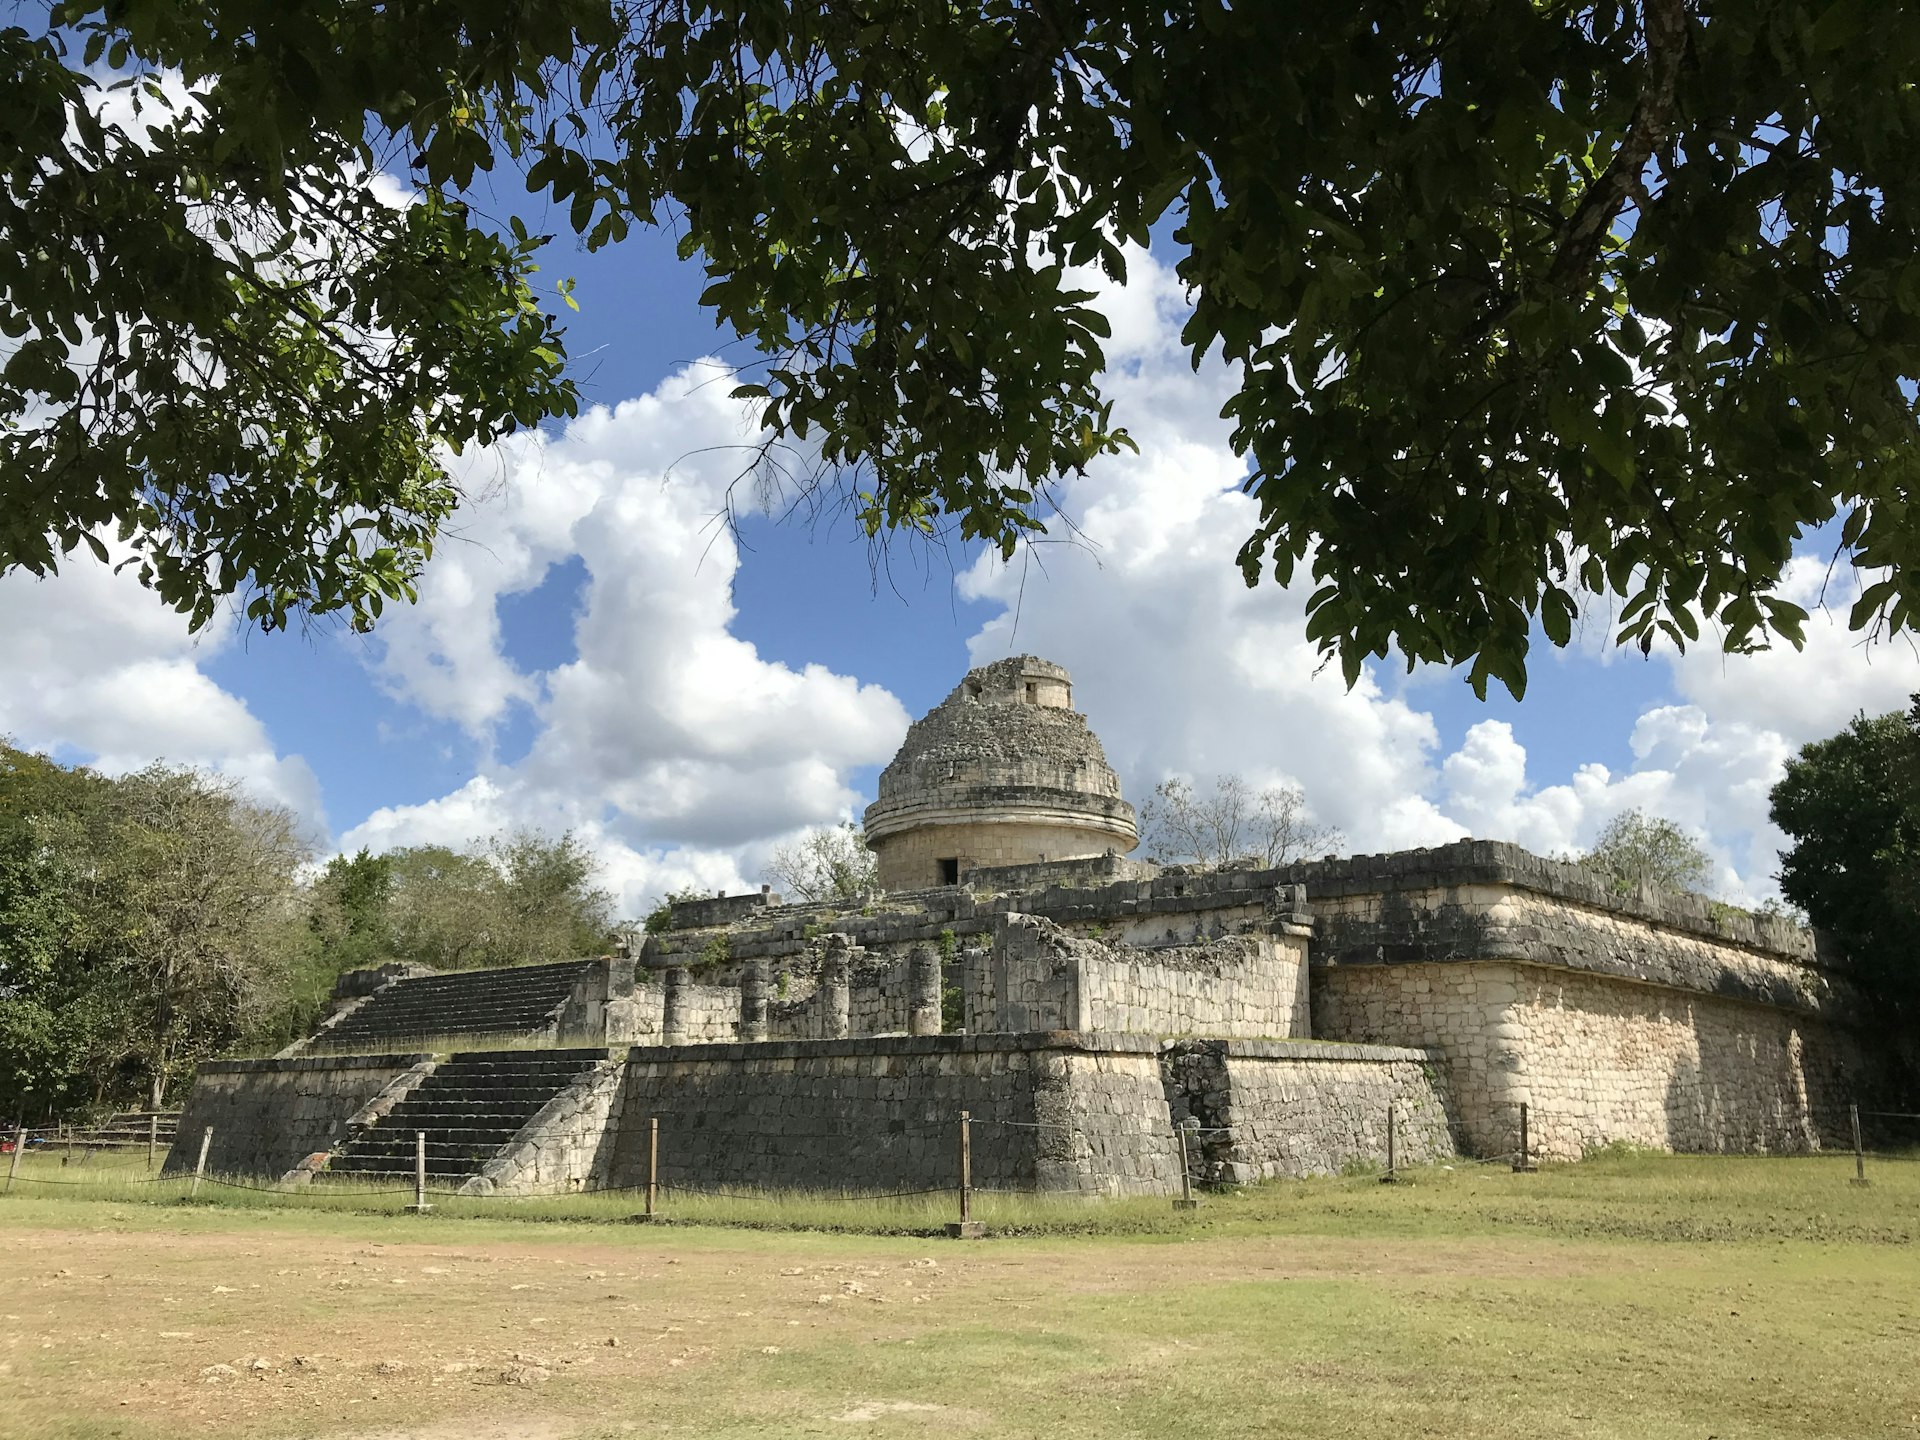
(1460, 1011)
(567, 1146)
(712, 1011)
(268, 1115)
(912, 859)
(594, 1001)
(872, 1115)
(1104, 1125)
(1490, 921)
(1242, 985)
(1604, 1061)
(1599, 1059)
(1039, 977)
(1268, 1109)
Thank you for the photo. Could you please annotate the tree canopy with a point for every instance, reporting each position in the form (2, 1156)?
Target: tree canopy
(827, 862)
(145, 923)
(1526, 302)
(1232, 822)
(1851, 806)
(518, 899)
(150, 920)
(1635, 849)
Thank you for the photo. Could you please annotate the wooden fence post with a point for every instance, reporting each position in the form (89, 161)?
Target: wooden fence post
(1859, 1153)
(1523, 1162)
(13, 1163)
(153, 1137)
(1186, 1200)
(968, 1228)
(419, 1205)
(653, 1164)
(1391, 1177)
(200, 1165)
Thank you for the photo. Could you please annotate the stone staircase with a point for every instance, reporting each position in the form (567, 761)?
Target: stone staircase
(522, 999)
(470, 1107)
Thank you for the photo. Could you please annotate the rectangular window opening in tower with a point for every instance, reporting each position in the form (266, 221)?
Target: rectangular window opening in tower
(949, 872)
(1033, 693)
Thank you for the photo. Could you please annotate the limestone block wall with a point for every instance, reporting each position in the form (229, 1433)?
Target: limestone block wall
(1038, 976)
(584, 1018)
(268, 1115)
(1243, 985)
(1269, 1109)
(1499, 921)
(1604, 1061)
(911, 860)
(1652, 1018)
(567, 1146)
(877, 997)
(1461, 1011)
(713, 1012)
(879, 1115)
(1104, 1124)
(1599, 1059)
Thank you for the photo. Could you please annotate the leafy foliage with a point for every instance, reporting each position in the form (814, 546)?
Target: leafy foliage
(1851, 806)
(223, 343)
(1528, 301)
(518, 899)
(660, 917)
(147, 922)
(150, 921)
(1232, 822)
(1635, 849)
(827, 862)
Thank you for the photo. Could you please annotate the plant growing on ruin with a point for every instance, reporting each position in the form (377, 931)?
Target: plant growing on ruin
(1635, 849)
(828, 862)
(660, 917)
(953, 1000)
(716, 952)
(1232, 822)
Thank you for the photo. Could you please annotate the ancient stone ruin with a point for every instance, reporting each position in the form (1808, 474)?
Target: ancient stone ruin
(1081, 1007)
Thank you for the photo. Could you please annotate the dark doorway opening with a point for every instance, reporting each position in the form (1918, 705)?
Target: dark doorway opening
(949, 872)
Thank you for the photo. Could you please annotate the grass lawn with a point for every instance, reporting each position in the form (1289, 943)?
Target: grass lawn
(1640, 1297)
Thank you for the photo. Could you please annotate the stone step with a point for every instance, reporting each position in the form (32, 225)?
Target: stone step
(475, 1002)
(430, 1020)
(456, 1168)
(502, 1095)
(402, 1154)
(446, 1135)
(470, 1107)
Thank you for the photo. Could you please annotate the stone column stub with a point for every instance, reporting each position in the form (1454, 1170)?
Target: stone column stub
(753, 1000)
(923, 990)
(673, 1005)
(835, 993)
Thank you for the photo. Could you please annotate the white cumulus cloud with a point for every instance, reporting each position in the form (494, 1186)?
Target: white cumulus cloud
(92, 664)
(666, 741)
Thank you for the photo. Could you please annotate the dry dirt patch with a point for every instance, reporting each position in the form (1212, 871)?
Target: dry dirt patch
(288, 1332)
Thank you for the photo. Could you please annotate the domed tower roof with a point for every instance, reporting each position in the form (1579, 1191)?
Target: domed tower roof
(1002, 772)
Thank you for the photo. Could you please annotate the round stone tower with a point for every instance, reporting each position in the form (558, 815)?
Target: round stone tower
(1003, 771)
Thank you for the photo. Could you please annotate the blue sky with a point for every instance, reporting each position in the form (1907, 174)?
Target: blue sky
(593, 652)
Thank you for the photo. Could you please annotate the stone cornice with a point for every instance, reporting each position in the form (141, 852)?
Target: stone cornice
(1003, 805)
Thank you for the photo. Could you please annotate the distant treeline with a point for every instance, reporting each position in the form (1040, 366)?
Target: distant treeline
(150, 920)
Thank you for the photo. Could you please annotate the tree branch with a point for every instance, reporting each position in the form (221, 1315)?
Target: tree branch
(1665, 26)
